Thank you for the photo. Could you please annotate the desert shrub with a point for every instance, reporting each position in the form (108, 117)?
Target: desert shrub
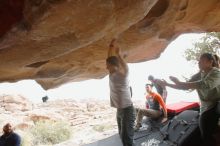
(50, 132)
(26, 138)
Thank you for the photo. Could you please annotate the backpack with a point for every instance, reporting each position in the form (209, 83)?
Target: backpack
(182, 130)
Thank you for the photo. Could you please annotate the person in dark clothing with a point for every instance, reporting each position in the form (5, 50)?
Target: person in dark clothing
(160, 88)
(9, 138)
(45, 98)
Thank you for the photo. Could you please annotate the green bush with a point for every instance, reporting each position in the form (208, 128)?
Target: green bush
(49, 132)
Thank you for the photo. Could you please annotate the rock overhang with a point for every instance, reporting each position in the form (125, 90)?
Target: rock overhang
(60, 41)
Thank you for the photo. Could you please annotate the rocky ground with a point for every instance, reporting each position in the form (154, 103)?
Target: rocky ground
(90, 119)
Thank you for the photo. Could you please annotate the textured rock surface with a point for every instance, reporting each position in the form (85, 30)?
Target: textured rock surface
(14, 103)
(59, 41)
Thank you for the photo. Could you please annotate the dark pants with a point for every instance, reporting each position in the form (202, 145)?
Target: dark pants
(125, 120)
(208, 122)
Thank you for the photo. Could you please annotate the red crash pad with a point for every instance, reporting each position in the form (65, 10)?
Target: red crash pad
(178, 107)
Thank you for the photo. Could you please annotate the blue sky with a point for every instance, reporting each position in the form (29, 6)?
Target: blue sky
(171, 62)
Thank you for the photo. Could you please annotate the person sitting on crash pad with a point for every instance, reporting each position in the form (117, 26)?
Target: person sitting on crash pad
(157, 107)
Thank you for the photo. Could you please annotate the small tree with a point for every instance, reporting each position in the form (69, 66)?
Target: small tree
(209, 43)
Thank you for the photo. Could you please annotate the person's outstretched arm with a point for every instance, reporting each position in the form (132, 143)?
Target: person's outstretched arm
(111, 50)
(123, 64)
(178, 85)
(182, 85)
(114, 50)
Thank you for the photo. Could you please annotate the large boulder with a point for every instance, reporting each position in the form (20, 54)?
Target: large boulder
(14, 103)
(59, 41)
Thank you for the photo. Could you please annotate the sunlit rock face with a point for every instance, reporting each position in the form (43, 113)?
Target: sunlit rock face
(14, 103)
(60, 41)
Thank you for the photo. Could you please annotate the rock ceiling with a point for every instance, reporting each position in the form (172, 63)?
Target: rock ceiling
(60, 41)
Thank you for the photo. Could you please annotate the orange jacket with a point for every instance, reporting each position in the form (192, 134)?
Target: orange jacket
(157, 97)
